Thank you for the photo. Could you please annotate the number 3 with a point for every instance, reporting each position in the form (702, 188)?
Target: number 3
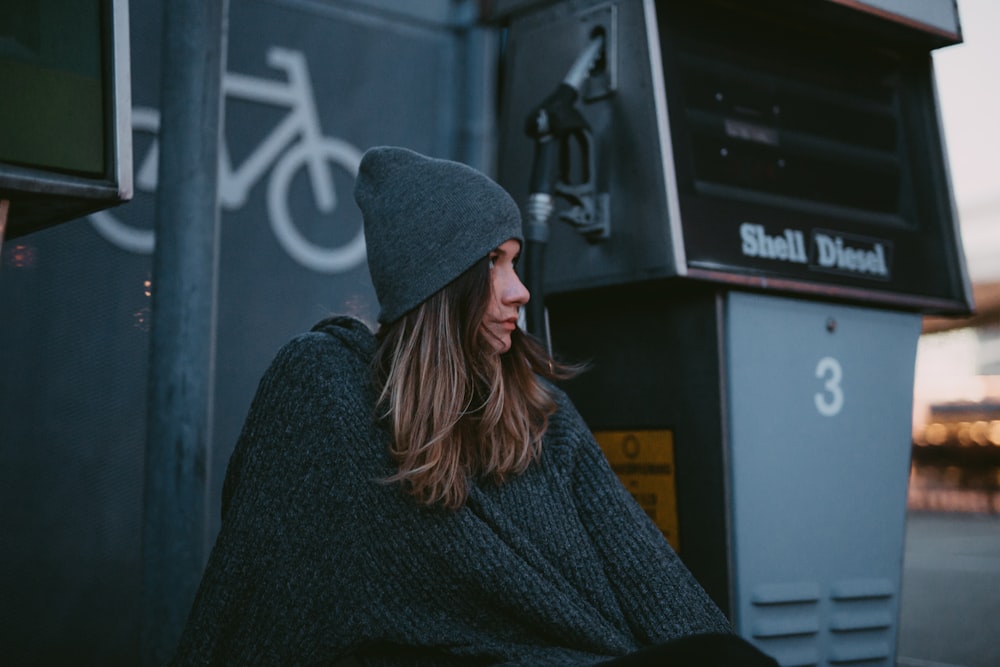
(830, 402)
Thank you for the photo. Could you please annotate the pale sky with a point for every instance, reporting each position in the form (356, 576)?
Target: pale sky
(968, 80)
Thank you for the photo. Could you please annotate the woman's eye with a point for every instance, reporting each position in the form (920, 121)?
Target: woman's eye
(493, 260)
(517, 259)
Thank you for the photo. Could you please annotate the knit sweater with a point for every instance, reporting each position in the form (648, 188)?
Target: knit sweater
(319, 558)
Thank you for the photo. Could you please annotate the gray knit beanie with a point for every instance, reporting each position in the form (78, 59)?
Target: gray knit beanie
(427, 221)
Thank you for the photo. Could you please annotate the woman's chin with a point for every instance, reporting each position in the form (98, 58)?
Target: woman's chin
(500, 345)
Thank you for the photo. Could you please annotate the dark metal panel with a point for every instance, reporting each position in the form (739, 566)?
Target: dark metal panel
(75, 310)
(656, 361)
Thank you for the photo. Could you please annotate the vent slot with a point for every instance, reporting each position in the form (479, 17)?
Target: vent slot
(861, 622)
(786, 622)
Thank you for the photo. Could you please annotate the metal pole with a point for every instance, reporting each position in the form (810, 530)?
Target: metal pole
(182, 355)
(475, 97)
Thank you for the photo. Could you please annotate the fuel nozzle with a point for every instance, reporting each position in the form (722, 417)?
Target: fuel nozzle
(554, 125)
(558, 117)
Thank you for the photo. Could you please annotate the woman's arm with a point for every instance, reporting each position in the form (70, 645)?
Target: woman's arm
(274, 580)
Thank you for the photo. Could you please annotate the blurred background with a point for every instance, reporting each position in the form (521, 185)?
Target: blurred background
(952, 563)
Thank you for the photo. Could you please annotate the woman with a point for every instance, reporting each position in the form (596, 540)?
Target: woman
(426, 496)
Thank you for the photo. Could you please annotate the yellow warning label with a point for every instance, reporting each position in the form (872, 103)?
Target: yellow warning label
(644, 462)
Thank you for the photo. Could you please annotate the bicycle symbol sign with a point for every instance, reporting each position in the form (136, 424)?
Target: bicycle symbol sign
(295, 143)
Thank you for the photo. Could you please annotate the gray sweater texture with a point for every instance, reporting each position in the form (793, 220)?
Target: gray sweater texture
(317, 558)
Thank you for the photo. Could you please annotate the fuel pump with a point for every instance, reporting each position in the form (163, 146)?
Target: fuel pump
(778, 217)
(561, 135)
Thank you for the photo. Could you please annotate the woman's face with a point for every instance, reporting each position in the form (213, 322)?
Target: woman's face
(507, 295)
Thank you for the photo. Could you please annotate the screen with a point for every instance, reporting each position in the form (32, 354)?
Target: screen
(797, 115)
(52, 84)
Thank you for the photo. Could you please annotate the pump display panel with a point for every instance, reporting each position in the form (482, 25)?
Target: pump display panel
(810, 152)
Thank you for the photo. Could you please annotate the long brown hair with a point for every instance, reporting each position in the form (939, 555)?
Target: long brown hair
(456, 407)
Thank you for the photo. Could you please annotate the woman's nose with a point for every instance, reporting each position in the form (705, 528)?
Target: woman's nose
(516, 292)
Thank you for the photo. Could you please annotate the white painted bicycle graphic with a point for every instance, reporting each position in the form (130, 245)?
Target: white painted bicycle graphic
(295, 143)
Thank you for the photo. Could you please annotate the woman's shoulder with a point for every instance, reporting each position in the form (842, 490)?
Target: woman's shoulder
(343, 333)
(566, 412)
(349, 330)
(567, 431)
(335, 356)
(313, 413)
(331, 341)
